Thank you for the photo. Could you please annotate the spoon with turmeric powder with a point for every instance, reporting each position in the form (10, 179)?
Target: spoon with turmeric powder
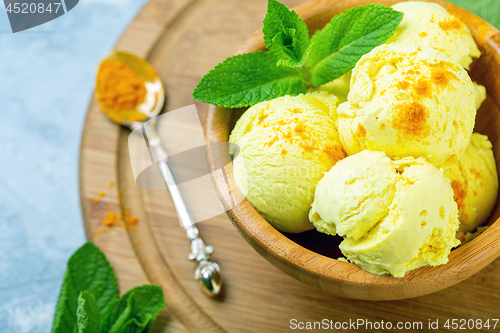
(130, 93)
(128, 89)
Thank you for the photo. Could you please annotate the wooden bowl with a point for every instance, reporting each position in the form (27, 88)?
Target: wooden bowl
(337, 277)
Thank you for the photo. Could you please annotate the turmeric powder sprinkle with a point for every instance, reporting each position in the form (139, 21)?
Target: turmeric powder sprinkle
(411, 119)
(110, 219)
(453, 24)
(131, 219)
(120, 88)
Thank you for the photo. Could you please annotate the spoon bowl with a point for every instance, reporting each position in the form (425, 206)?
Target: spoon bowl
(155, 93)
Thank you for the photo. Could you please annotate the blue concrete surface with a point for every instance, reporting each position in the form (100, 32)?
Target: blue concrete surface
(46, 80)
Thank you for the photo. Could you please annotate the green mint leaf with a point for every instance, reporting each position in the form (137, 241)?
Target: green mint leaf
(488, 10)
(248, 79)
(347, 37)
(109, 316)
(88, 314)
(135, 312)
(88, 270)
(286, 35)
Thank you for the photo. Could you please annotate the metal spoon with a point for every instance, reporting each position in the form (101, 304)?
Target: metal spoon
(207, 272)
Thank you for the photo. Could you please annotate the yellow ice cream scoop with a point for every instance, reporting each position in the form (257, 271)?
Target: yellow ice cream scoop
(355, 195)
(286, 145)
(474, 181)
(395, 216)
(408, 100)
(429, 24)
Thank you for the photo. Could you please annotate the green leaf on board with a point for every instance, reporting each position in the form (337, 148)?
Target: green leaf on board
(248, 79)
(88, 316)
(286, 35)
(347, 37)
(87, 270)
(135, 312)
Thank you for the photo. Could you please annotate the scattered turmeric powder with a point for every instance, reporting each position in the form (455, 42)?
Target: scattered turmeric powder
(120, 88)
(138, 242)
(110, 219)
(132, 219)
(123, 218)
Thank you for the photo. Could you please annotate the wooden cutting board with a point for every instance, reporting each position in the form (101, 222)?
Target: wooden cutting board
(183, 39)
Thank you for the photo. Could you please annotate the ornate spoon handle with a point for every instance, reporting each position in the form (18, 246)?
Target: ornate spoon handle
(207, 272)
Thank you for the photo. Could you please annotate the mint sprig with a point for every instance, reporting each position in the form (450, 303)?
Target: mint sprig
(136, 311)
(347, 37)
(286, 35)
(89, 300)
(88, 269)
(248, 79)
(251, 78)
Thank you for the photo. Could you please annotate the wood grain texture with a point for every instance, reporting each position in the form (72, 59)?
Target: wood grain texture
(183, 40)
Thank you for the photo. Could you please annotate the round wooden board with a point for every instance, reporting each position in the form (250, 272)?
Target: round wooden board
(183, 39)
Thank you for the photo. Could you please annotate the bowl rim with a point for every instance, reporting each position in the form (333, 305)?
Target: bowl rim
(342, 278)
